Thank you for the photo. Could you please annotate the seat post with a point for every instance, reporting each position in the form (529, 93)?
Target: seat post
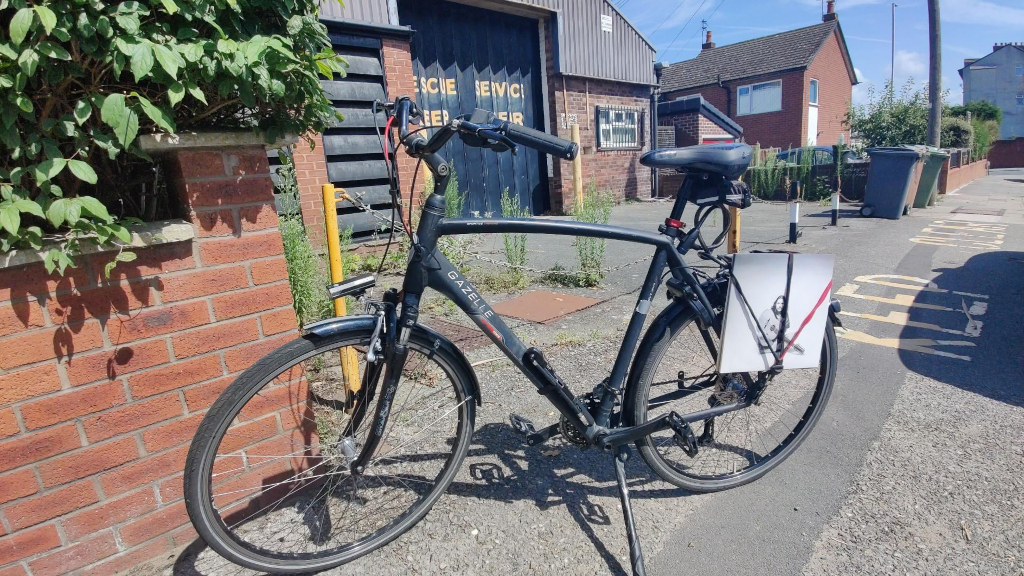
(681, 196)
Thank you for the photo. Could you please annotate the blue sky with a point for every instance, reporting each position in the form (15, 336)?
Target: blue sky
(969, 28)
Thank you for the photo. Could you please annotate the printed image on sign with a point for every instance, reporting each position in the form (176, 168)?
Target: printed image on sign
(782, 312)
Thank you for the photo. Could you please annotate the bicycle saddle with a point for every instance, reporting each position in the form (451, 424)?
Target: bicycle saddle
(728, 159)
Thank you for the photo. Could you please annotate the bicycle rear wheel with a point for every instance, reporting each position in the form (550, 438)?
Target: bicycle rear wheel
(739, 447)
(267, 479)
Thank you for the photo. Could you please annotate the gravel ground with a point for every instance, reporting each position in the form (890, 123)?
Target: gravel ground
(939, 492)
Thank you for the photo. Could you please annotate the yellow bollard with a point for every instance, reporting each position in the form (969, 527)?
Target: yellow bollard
(734, 231)
(349, 360)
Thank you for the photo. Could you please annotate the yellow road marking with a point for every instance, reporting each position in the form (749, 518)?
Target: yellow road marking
(923, 345)
(903, 319)
(850, 290)
(926, 285)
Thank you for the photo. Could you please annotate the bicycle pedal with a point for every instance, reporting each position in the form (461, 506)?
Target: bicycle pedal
(521, 425)
(683, 436)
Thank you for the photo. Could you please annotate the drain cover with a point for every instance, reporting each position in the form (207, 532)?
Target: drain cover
(979, 211)
(465, 339)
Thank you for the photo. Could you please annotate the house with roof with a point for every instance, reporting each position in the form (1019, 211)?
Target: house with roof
(785, 90)
(998, 78)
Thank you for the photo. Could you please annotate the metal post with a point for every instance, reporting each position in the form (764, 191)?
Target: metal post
(349, 361)
(892, 53)
(837, 164)
(734, 232)
(577, 169)
(794, 211)
(934, 75)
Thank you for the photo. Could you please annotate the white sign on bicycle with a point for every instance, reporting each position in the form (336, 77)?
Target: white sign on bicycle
(777, 303)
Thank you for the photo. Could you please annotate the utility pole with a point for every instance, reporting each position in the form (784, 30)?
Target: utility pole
(892, 53)
(934, 74)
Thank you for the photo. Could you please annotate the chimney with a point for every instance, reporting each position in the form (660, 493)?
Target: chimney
(830, 12)
(708, 44)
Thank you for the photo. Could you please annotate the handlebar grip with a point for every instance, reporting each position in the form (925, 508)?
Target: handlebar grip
(542, 142)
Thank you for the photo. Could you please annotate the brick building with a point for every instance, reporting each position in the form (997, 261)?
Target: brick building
(785, 90)
(546, 64)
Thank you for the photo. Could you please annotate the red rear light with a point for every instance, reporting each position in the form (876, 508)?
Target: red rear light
(673, 223)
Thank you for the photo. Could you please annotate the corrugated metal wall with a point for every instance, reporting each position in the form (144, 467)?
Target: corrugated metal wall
(584, 48)
(374, 11)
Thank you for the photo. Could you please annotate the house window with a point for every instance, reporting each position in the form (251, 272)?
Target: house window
(813, 92)
(618, 127)
(1019, 71)
(1020, 99)
(759, 98)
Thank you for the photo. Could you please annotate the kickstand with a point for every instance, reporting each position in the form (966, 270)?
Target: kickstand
(636, 555)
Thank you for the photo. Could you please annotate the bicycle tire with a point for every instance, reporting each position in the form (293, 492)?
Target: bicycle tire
(200, 462)
(637, 399)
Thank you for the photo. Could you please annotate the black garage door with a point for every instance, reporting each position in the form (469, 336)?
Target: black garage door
(466, 58)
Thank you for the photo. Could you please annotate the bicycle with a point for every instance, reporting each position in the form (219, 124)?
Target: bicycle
(342, 440)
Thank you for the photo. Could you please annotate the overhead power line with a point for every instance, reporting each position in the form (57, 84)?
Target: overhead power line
(685, 25)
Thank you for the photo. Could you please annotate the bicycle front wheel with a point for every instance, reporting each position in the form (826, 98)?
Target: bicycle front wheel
(268, 483)
(679, 374)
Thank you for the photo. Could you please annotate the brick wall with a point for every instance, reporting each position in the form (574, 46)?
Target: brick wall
(834, 92)
(951, 180)
(618, 172)
(400, 82)
(1007, 153)
(311, 175)
(103, 381)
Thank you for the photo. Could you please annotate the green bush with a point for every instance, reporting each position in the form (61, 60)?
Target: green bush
(515, 244)
(764, 176)
(891, 119)
(980, 110)
(986, 132)
(956, 132)
(80, 80)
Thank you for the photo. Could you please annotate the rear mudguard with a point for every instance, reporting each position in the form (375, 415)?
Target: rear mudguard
(333, 326)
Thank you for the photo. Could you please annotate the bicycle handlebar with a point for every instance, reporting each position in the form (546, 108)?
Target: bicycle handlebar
(541, 141)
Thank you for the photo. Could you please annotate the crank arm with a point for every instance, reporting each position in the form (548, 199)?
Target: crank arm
(543, 435)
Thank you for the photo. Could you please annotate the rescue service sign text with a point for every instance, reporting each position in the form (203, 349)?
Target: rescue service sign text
(482, 87)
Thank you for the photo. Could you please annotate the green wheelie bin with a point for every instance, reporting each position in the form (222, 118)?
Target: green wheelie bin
(891, 175)
(927, 188)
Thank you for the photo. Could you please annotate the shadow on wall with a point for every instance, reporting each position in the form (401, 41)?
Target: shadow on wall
(995, 367)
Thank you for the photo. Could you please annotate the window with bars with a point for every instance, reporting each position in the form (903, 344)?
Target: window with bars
(618, 128)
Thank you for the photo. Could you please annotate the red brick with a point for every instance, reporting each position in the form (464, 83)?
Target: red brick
(34, 282)
(258, 217)
(28, 383)
(157, 321)
(8, 424)
(144, 471)
(199, 164)
(149, 262)
(249, 301)
(270, 270)
(17, 485)
(75, 556)
(20, 316)
(172, 489)
(32, 511)
(243, 357)
(203, 283)
(247, 162)
(127, 560)
(177, 375)
(215, 222)
(199, 397)
(33, 447)
(15, 570)
(71, 404)
(87, 461)
(214, 337)
(229, 191)
(110, 364)
(172, 433)
(278, 321)
(109, 513)
(49, 343)
(75, 307)
(153, 525)
(28, 542)
(132, 417)
(257, 245)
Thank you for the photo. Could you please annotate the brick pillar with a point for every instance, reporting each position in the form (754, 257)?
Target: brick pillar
(103, 381)
(311, 175)
(401, 82)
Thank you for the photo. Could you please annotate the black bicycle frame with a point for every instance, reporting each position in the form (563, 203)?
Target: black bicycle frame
(428, 267)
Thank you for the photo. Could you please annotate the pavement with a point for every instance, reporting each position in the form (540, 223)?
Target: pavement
(915, 467)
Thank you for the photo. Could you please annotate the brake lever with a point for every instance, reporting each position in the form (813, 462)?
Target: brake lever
(500, 138)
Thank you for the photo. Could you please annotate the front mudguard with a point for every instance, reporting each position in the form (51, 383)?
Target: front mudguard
(333, 326)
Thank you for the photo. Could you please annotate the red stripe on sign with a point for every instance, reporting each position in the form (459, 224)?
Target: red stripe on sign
(806, 320)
